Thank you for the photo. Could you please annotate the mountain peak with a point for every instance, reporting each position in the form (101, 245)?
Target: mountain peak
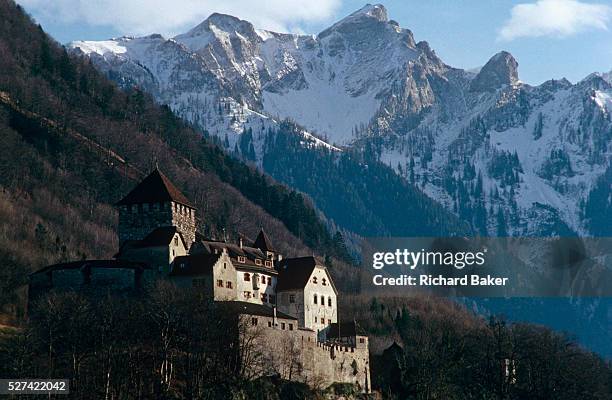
(367, 16)
(376, 11)
(224, 22)
(501, 69)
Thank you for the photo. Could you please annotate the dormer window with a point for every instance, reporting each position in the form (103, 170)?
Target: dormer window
(257, 261)
(241, 259)
(268, 263)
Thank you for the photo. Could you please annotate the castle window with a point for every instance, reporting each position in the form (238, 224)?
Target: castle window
(268, 263)
(241, 259)
(272, 299)
(258, 262)
(329, 322)
(316, 320)
(323, 301)
(290, 327)
(269, 280)
(254, 321)
(247, 277)
(247, 295)
(329, 302)
(228, 284)
(291, 298)
(220, 282)
(269, 324)
(263, 279)
(224, 265)
(315, 298)
(176, 241)
(314, 280)
(324, 282)
(282, 325)
(361, 340)
(264, 297)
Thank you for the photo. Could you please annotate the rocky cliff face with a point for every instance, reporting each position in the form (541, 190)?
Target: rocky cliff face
(506, 156)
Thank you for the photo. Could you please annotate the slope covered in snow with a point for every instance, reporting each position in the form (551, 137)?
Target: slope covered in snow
(508, 157)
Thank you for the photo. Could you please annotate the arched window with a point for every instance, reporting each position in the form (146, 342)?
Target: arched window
(323, 301)
(315, 299)
(247, 276)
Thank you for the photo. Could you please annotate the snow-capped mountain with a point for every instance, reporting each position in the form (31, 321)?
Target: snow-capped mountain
(504, 155)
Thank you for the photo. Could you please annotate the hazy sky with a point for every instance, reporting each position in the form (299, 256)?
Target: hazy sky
(549, 38)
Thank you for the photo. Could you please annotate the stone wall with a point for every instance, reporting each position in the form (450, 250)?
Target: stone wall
(138, 220)
(298, 355)
(185, 221)
(101, 280)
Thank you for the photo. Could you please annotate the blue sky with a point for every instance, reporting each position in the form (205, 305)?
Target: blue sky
(549, 38)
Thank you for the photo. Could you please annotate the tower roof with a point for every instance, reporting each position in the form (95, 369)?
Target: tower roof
(263, 242)
(155, 188)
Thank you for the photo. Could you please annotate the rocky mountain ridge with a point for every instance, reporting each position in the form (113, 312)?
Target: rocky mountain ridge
(506, 156)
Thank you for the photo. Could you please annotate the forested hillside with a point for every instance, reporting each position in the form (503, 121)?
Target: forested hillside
(359, 192)
(73, 144)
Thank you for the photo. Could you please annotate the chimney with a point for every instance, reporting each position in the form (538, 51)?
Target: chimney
(240, 241)
(274, 317)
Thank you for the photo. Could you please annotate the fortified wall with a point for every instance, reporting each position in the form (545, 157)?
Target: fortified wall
(297, 355)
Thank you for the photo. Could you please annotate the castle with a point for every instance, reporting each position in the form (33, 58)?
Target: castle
(290, 303)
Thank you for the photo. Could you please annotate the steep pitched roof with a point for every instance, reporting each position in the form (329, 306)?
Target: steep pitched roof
(293, 273)
(263, 242)
(194, 264)
(155, 188)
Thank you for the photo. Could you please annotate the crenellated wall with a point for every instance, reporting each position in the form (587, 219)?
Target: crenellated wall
(298, 356)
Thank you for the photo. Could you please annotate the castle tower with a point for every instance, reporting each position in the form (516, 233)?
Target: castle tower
(155, 202)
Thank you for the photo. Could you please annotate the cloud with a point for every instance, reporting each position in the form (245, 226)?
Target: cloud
(169, 17)
(554, 18)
